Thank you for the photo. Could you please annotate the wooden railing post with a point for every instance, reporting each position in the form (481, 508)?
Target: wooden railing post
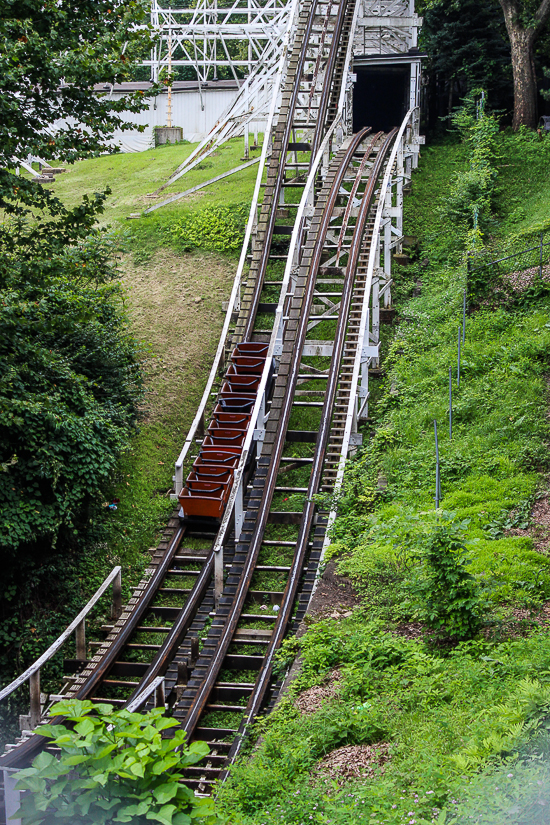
(160, 700)
(116, 608)
(194, 650)
(183, 678)
(34, 685)
(80, 634)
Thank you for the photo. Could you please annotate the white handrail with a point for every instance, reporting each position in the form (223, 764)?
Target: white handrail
(178, 481)
(53, 648)
(138, 700)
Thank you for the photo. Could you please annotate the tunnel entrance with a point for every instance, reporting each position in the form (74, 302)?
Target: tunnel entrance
(380, 97)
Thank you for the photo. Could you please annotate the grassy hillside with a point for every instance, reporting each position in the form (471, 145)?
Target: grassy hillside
(418, 726)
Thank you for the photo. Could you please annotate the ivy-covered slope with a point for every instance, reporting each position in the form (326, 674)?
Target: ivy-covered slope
(444, 665)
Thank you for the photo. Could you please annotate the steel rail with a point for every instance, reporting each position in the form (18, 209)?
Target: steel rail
(258, 696)
(285, 139)
(35, 743)
(408, 119)
(329, 69)
(203, 692)
(178, 483)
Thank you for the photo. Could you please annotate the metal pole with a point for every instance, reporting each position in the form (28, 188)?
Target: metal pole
(458, 362)
(81, 641)
(116, 607)
(34, 685)
(246, 155)
(464, 318)
(169, 104)
(437, 481)
(541, 245)
(450, 403)
(239, 511)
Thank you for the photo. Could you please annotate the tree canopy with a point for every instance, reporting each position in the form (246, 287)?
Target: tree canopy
(69, 370)
(491, 43)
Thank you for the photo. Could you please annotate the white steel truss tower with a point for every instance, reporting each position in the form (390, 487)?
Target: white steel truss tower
(210, 34)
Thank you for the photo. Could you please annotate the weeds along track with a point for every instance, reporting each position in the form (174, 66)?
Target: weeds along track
(225, 585)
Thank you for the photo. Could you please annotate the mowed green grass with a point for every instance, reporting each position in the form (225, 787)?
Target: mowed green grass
(133, 176)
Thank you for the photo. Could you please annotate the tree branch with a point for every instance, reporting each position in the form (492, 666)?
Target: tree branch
(511, 12)
(542, 14)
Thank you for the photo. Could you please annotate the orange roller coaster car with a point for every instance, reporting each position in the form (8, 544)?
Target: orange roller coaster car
(208, 485)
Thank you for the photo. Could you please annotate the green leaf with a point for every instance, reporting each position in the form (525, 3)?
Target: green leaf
(166, 792)
(85, 727)
(164, 816)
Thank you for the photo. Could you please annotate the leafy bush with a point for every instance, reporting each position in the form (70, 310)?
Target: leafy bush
(114, 766)
(450, 600)
(214, 228)
(69, 387)
(471, 192)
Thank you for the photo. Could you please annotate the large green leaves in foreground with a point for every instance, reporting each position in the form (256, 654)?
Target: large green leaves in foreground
(114, 767)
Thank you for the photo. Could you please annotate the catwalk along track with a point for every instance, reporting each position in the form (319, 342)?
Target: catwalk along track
(237, 565)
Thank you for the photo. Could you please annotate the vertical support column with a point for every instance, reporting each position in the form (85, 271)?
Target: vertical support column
(375, 336)
(239, 510)
(116, 607)
(183, 678)
(399, 191)
(81, 641)
(160, 699)
(364, 385)
(246, 155)
(169, 104)
(387, 234)
(325, 163)
(34, 685)
(178, 478)
(218, 576)
(12, 797)
(260, 429)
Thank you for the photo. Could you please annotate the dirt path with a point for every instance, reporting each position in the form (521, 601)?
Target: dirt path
(175, 307)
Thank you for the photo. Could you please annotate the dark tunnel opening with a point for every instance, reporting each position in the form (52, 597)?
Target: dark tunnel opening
(380, 97)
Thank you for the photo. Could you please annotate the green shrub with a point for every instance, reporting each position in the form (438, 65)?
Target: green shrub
(470, 196)
(214, 228)
(114, 766)
(70, 383)
(449, 598)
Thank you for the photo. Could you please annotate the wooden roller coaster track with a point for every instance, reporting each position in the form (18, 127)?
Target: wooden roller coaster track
(225, 585)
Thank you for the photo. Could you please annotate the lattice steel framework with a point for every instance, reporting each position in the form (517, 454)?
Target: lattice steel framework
(211, 34)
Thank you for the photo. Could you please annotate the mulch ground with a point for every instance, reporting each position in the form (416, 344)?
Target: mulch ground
(310, 700)
(354, 762)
